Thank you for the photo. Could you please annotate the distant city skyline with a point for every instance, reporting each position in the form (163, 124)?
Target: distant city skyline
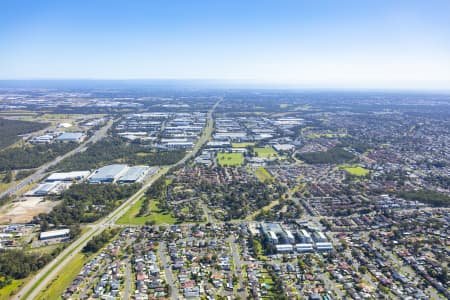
(306, 44)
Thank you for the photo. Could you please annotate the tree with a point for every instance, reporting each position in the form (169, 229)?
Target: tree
(8, 177)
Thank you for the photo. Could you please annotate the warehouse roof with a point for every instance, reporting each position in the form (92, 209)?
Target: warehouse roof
(110, 172)
(67, 176)
(54, 233)
(134, 173)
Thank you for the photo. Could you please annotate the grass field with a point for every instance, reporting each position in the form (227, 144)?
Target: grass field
(230, 159)
(356, 171)
(130, 218)
(57, 287)
(263, 175)
(325, 135)
(265, 152)
(5, 293)
(242, 145)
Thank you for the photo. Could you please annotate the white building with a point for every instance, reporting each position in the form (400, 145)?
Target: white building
(53, 234)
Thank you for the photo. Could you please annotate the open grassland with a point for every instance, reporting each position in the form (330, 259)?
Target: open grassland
(156, 216)
(10, 289)
(263, 175)
(355, 171)
(265, 152)
(230, 159)
(242, 145)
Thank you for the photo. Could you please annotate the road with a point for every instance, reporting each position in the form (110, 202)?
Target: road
(167, 270)
(40, 172)
(238, 267)
(128, 280)
(41, 280)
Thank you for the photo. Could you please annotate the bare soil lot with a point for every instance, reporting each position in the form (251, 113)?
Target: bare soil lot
(25, 209)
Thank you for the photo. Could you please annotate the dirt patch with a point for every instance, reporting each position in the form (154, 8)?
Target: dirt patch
(24, 210)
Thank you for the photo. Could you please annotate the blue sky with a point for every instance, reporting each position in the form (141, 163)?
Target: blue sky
(340, 43)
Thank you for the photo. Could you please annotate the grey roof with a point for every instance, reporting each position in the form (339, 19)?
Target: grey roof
(108, 173)
(134, 173)
(70, 136)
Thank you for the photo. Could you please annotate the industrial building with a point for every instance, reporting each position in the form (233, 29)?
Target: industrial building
(108, 173)
(68, 176)
(53, 234)
(44, 189)
(134, 174)
(76, 137)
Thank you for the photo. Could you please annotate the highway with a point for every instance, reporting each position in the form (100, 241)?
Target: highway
(40, 172)
(42, 279)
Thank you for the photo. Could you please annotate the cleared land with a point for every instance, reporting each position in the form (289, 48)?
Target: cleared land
(265, 152)
(356, 171)
(24, 211)
(131, 218)
(230, 159)
(263, 175)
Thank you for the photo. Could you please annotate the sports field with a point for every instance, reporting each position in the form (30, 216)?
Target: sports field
(265, 152)
(230, 159)
(356, 171)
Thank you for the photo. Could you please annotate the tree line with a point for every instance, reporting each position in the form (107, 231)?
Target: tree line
(433, 198)
(87, 203)
(11, 129)
(115, 149)
(98, 241)
(335, 155)
(32, 156)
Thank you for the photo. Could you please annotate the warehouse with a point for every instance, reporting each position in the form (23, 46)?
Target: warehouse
(68, 176)
(45, 189)
(108, 173)
(134, 174)
(76, 137)
(53, 234)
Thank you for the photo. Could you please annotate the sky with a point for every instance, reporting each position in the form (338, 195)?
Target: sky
(315, 43)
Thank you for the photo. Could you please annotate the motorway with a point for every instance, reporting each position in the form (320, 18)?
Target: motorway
(40, 172)
(42, 279)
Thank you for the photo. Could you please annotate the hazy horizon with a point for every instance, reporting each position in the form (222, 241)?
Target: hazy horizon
(297, 44)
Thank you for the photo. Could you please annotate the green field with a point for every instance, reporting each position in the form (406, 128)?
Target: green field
(265, 152)
(242, 145)
(7, 291)
(325, 135)
(130, 218)
(230, 159)
(57, 287)
(263, 175)
(356, 171)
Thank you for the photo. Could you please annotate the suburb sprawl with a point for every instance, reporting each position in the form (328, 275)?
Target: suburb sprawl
(254, 194)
